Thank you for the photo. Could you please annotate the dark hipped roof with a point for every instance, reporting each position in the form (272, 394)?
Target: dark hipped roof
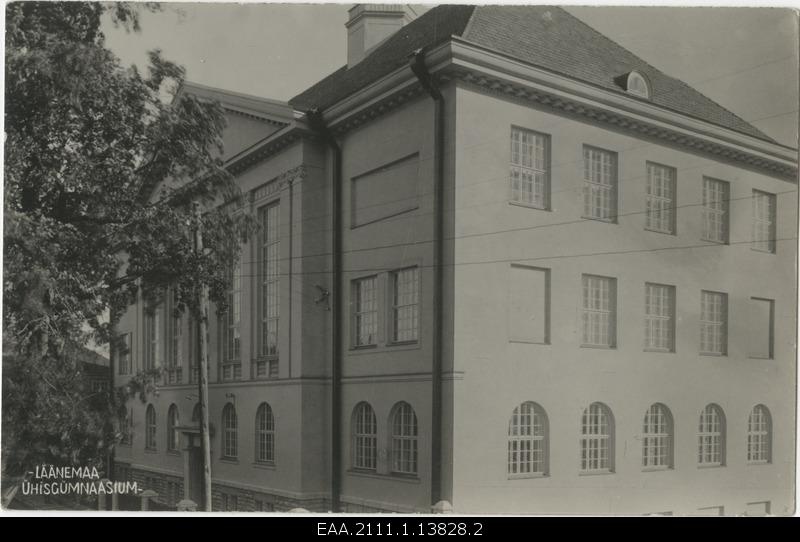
(544, 36)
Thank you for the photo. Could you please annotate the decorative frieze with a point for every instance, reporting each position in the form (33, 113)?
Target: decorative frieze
(278, 183)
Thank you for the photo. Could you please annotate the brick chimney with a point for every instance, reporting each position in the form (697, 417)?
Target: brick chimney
(370, 24)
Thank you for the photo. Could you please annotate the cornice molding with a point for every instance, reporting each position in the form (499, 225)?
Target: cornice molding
(278, 183)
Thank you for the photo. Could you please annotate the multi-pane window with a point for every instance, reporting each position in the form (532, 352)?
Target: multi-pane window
(152, 337)
(660, 202)
(716, 214)
(529, 173)
(269, 282)
(599, 184)
(599, 311)
(150, 428)
(365, 437)
(124, 355)
(230, 445)
(713, 322)
(173, 433)
(711, 437)
(230, 341)
(597, 439)
(657, 438)
(404, 439)
(659, 319)
(365, 311)
(405, 305)
(265, 434)
(527, 441)
(759, 435)
(174, 336)
(763, 221)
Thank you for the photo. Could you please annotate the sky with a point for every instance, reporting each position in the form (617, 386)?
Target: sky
(743, 58)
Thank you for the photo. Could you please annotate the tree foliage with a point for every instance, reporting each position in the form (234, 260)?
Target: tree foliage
(102, 166)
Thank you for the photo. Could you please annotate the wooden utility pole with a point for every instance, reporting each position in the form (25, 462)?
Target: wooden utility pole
(202, 325)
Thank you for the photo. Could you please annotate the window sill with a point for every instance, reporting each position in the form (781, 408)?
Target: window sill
(662, 232)
(230, 460)
(711, 466)
(363, 347)
(596, 473)
(713, 354)
(604, 220)
(528, 476)
(761, 357)
(599, 346)
(406, 478)
(150, 451)
(174, 452)
(657, 469)
(762, 250)
(414, 342)
(758, 463)
(716, 242)
(522, 341)
(530, 206)
(660, 350)
(264, 465)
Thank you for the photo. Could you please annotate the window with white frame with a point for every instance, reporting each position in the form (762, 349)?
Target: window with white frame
(365, 311)
(365, 437)
(174, 336)
(404, 439)
(152, 337)
(657, 438)
(265, 434)
(529, 175)
(230, 432)
(711, 437)
(759, 435)
(150, 428)
(527, 441)
(597, 439)
(600, 184)
(660, 198)
(229, 325)
(599, 311)
(125, 354)
(713, 323)
(716, 210)
(637, 84)
(763, 221)
(405, 305)
(173, 433)
(659, 320)
(269, 283)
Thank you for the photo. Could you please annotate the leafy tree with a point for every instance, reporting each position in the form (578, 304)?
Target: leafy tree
(102, 166)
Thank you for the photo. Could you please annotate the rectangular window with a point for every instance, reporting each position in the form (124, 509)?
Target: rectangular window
(405, 305)
(716, 214)
(269, 282)
(599, 184)
(529, 175)
(660, 202)
(659, 320)
(152, 337)
(229, 325)
(713, 323)
(365, 311)
(763, 221)
(761, 328)
(173, 370)
(125, 355)
(528, 304)
(599, 311)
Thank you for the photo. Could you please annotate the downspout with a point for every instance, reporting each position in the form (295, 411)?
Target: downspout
(417, 65)
(318, 124)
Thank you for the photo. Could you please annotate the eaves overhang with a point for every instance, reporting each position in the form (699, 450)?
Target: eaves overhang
(264, 148)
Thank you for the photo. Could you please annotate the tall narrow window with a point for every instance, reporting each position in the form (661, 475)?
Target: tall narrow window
(405, 305)
(265, 434)
(230, 442)
(193, 354)
(759, 435)
(660, 202)
(716, 215)
(404, 439)
(599, 311)
(657, 438)
(197, 412)
(528, 304)
(230, 341)
(760, 328)
(713, 323)
(527, 441)
(599, 184)
(173, 373)
(150, 428)
(763, 221)
(152, 337)
(711, 437)
(125, 355)
(365, 311)
(597, 439)
(659, 320)
(365, 437)
(173, 433)
(269, 282)
(529, 174)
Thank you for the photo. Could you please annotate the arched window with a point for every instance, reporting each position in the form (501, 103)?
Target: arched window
(265, 434)
(711, 437)
(229, 432)
(365, 437)
(404, 439)
(759, 435)
(657, 434)
(637, 84)
(196, 414)
(597, 439)
(173, 435)
(527, 440)
(150, 428)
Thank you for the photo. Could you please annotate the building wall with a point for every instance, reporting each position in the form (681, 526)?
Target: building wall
(565, 378)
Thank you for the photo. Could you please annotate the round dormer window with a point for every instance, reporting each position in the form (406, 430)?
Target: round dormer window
(637, 84)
